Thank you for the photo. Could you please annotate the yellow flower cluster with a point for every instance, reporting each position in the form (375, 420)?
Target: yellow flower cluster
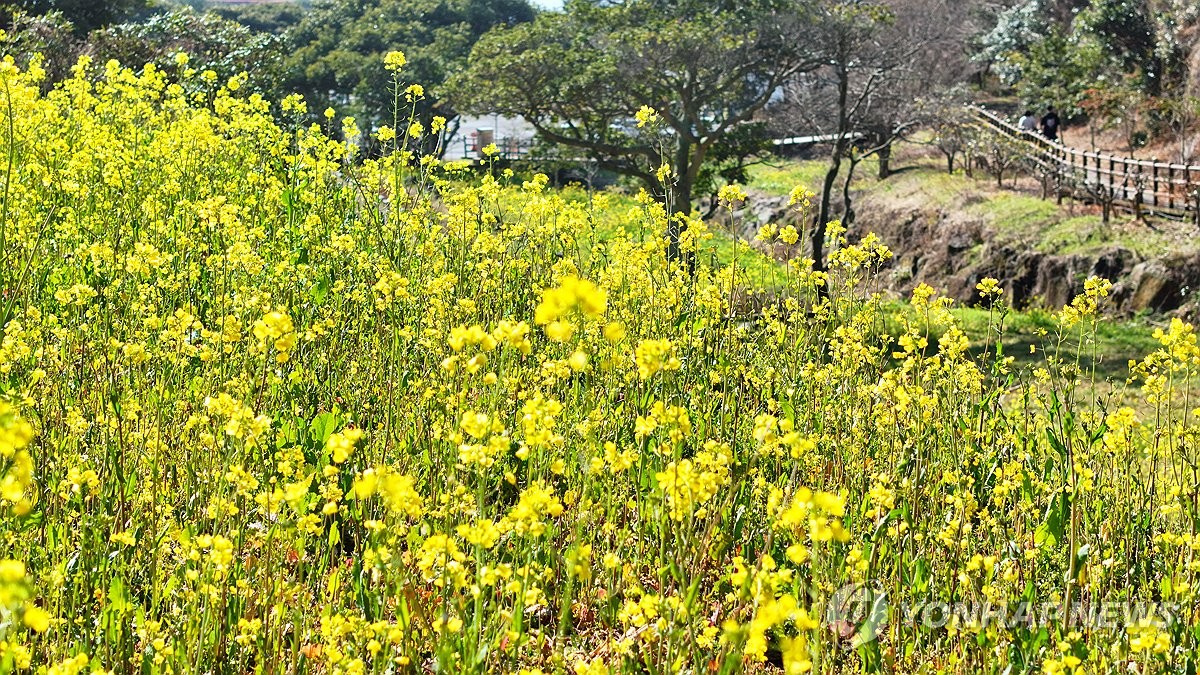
(645, 115)
(275, 330)
(397, 490)
(654, 356)
(807, 515)
(528, 517)
(17, 477)
(268, 400)
(572, 297)
(394, 60)
(689, 484)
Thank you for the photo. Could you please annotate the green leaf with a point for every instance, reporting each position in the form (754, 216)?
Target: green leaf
(323, 426)
(320, 290)
(1056, 444)
(1053, 526)
(920, 579)
(118, 596)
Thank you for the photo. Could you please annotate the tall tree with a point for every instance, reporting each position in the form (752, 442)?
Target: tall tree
(275, 18)
(879, 59)
(1126, 30)
(1055, 51)
(210, 42)
(848, 28)
(84, 15)
(580, 77)
(225, 47)
(339, 45)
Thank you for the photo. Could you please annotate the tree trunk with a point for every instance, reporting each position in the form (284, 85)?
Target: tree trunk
(679, 197)
(689, 159)
(835, 163)
(680, 201)
(447, 133)
(885, 161)
(823, 213)
(847, 204)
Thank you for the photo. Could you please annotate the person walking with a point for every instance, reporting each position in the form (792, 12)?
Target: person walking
(1050, 124)
(1029, 122)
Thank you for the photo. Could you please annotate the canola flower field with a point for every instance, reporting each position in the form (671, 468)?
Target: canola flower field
(272, 407)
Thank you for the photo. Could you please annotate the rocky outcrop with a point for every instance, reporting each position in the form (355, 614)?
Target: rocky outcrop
(953, 252)
(1170, 284)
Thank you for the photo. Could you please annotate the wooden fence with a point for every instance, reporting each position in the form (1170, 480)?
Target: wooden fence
(509, 148)
(1140, 186)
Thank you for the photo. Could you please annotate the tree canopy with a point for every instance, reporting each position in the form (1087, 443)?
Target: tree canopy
(581, 76)
(879, 60)
(1099, 44)
(84, 15)
(274, 18)
(225, 47)
(339, 45)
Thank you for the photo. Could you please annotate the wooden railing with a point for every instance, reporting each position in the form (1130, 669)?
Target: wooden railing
(510, 148)
(1140, 186)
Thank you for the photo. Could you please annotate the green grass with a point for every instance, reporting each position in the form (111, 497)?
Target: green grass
(1103, 360)
(1017, 214)
(623, 213)
(1011, 216)
(1117, 341)
(940, 188)
(780, 178)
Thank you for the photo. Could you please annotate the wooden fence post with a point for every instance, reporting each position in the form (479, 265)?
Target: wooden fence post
(1171, 186)
(1154, 169)
(1058, 165)
(1190, 195)
(1124, 179)
(1139, 196)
